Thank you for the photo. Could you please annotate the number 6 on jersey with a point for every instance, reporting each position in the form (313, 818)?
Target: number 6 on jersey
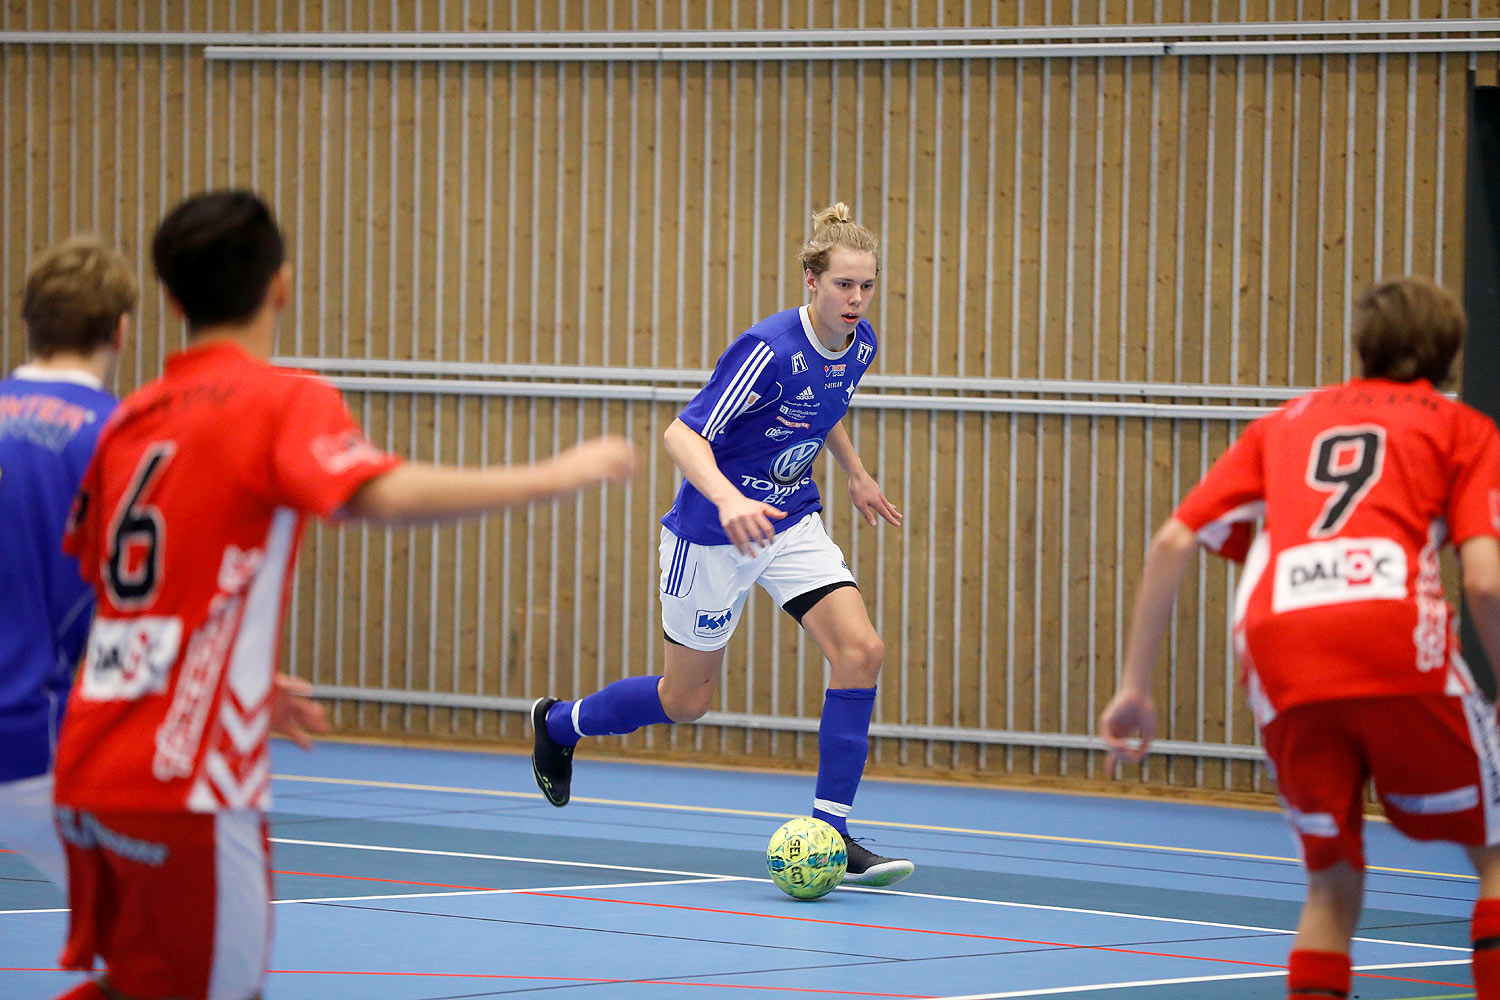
(133, 569)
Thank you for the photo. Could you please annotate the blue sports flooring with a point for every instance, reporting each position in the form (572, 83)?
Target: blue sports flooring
(414, 874)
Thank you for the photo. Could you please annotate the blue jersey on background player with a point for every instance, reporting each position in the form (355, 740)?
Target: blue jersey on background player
(76, 306)
(774, 396)
(49, 424)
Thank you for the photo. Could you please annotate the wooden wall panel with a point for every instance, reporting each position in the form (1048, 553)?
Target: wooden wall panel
(1179, 220)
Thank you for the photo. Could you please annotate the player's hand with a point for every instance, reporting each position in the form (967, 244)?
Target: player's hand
(293, 712)
(609, 459)
(747, 523)
(866, 495)
(1128, 725)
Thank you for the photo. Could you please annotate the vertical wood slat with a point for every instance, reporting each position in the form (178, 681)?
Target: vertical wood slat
(1133, 219)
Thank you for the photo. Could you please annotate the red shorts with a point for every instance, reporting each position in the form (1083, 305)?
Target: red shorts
(176, 904)
(1435, 761)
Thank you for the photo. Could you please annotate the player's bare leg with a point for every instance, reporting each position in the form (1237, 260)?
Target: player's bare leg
(690, 678)
(1485, 930)
(1335, 896)
(1319, 965)
(842, 629)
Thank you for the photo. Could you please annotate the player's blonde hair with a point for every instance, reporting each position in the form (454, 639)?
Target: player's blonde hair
(1406, 329)
(835, 227)
(74, 296)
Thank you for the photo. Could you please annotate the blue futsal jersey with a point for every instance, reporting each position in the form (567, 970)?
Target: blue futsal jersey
(774, 396)
(49, 424)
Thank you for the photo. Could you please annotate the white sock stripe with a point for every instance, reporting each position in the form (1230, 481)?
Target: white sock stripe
(833, 808)
(574, 716)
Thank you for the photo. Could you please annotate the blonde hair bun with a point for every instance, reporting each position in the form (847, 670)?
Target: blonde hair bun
(833, 227)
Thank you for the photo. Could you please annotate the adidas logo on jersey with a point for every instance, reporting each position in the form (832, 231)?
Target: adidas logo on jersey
(806, 393)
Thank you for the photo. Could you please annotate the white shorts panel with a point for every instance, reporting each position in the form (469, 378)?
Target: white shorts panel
(242, 925)
(26, 825)
(703, 587)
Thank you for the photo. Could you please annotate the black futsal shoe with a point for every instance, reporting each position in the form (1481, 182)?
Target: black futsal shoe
(551, 762)
(868, 868)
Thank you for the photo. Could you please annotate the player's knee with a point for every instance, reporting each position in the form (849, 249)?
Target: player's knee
(686, 706)
(862, 659)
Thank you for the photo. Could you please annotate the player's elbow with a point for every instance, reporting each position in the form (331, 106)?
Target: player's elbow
(1173, 538)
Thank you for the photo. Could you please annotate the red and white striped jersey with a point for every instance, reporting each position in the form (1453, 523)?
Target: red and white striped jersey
(187, 525)
(1360, 486)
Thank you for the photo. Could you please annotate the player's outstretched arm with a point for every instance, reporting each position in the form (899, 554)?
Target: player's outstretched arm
(1479, 558)
(1131, 714)
(418, 492)
(864, 492)
(746, 522)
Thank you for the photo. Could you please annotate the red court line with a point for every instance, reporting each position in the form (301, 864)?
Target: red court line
(393, 881)
(962, 934)
(570, 979)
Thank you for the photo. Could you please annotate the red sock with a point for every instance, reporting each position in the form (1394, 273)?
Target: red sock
(1485, 933)
(87, 990)
(1317, 974)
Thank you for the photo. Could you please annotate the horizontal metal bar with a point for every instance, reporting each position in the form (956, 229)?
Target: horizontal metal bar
(1329, 47)
(821, 53)
(658, 54)
(1249, 29)
(874, 401)
(698, 376)
(738, 720)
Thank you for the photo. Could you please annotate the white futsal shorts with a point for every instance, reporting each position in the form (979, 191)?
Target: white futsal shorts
(703, 587)
(26, 826)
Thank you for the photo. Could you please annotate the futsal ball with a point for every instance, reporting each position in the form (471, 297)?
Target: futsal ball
(806, 858)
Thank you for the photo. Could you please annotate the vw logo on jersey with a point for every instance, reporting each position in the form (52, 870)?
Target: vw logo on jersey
(789, 466)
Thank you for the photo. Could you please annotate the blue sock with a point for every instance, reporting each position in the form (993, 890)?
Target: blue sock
(843, 744)
(614, 710)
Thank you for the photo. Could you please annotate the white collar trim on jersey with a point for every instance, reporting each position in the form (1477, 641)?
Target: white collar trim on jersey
(34, 373)
(812, 336)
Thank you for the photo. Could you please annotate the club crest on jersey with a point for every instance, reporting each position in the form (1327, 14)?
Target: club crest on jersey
(789, 466)
(1338, 571)
(799, 363)
(806, 393)
(865, 350)
(710, 624)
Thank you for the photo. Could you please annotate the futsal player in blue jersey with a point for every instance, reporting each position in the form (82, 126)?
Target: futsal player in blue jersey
(747, 513)
(76, 305)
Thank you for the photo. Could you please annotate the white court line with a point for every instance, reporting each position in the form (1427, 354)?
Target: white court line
(697, 880)
(1045, 838)
(507, 857)
(1055, 990)
(56, 909)
(502, 892)
(714, 876)
(1132, 916)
